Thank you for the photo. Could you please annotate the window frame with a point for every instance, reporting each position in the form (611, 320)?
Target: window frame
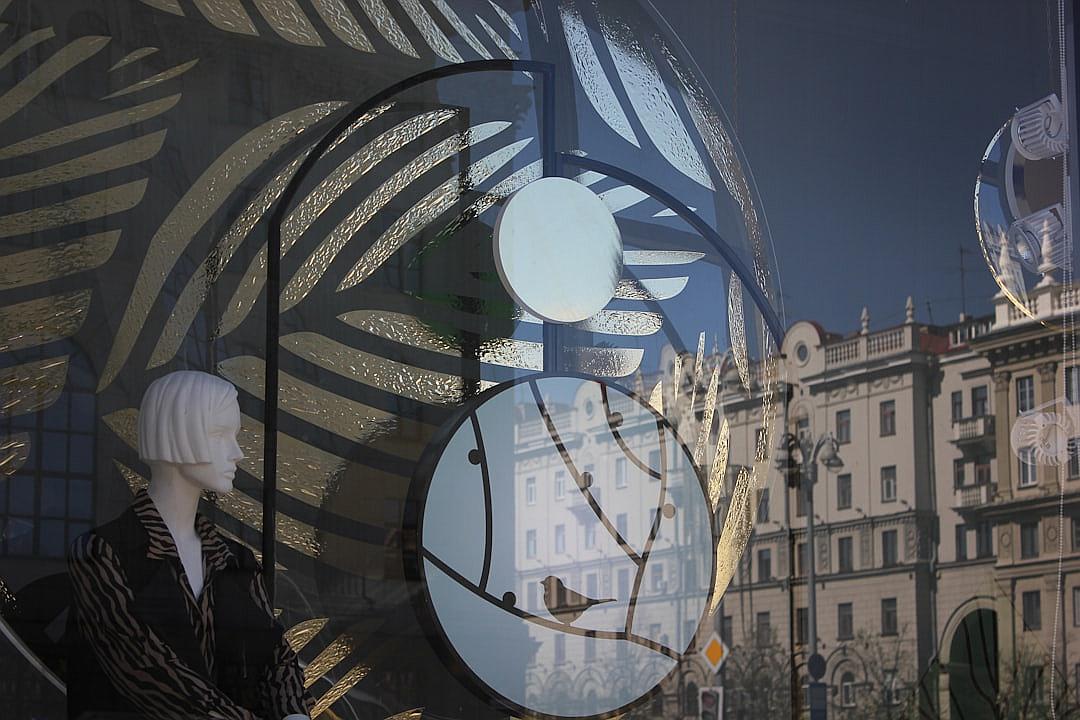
(843, 437)
(888, 475)
(887, 418)
(845, 615)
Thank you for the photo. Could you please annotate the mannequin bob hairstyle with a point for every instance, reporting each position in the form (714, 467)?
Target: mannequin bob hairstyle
(177, 415)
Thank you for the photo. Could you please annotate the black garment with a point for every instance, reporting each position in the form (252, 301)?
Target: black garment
(142, 646)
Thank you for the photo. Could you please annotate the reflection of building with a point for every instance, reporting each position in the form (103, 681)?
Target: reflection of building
(935, 545)
(559, 534)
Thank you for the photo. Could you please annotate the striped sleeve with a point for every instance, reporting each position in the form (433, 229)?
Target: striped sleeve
(284, 682)
(140, 665)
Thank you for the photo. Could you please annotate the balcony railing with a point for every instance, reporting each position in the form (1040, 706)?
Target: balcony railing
(870, 347)
(968, 496)
(973, 428)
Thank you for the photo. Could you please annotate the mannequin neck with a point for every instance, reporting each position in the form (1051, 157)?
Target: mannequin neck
(176, 500)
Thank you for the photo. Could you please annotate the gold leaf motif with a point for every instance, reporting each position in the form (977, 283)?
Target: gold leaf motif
(79, 209)
(342, 686)
(49, 72)
(134, 480)
(656, 399)
(228, 15)
(399, 328)
(289, 21)
(707, 417)
(14, 450)
(31, 386)
(660, 257)
(42, 320)
(341, 22)
(130, 152)
(650, 288)
(718, 473)
(153, 80)
(734, 536)
(461, 28)
(333, 413)
(414, 714)
(88, 128)
(425, 386)
(676, 382)
(331, 656)
(649, 96)
(591, 75)
(431, 32)
(387, 26)
(134, 56)
(319, 261)
(427, 210)
(615, 322)
(56, 261)
(298, 636)
(24, 43)
(169, 6)
(199, 203)
(699, 372)
(605, 362)
(304, 471)
(737, 330)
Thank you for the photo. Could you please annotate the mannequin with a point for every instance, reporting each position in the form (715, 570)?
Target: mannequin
(169, 615)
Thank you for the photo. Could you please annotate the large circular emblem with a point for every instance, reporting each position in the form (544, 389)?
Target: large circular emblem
(566, 561)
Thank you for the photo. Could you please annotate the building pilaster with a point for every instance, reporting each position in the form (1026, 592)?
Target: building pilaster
(1047, 474)
(1002, 425)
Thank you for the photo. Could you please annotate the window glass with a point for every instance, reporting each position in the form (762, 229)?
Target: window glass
(843, 426)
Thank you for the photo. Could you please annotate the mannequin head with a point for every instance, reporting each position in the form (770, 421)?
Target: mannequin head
(188, 423)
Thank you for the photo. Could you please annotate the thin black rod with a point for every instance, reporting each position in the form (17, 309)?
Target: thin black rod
(273, 270)
(749, 281)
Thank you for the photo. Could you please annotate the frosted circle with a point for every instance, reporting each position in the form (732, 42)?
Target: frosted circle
(558, 250)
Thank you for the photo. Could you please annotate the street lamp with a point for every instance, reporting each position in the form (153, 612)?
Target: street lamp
(798, 459)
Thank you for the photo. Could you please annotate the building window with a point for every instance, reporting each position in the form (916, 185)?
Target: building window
(843, 426)
(888, 548)
(982, 472)
(1076, 606)
(592, 585)
(590, 649)
(621, 522)
(530, 491)
(560, 649)
(590, 534)
(888, 484)
(961, 542)
(979, 401)
(887, 416)
(1072, 384)
(1074, 457)
(560, 484)
(802, 428)
(726, 624)
(802, 500)
(763, 506)
(888, 616)
(843, 491)
(654, 463)
(1032, 610)
(763, 629)
(530, 594)
(957, 405)
(620, 472)
(560, 538)
(958, 473)
(803, 562)
(1025, 394)
(764, 565)
(802, 626)
(657, 577)
(889, 692)
(1076, 533)
(623, 583)
(845, 554)
(847, 690)
(1026, 461)
(845, 621)
(984, 540)
(530, 544)
(1029, 540)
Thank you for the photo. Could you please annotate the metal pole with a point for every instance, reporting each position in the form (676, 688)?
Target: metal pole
(811, 476)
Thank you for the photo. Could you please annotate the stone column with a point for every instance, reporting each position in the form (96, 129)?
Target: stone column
(1045, 394)
(1006, 460)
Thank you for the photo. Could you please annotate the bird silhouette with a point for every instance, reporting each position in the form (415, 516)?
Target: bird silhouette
(564, 604)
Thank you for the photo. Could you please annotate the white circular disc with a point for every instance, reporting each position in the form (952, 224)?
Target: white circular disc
(558, 250)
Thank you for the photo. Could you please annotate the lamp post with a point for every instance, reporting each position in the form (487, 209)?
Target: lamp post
(797, 459)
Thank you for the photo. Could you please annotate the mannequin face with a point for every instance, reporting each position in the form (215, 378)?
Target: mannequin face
(217, 475)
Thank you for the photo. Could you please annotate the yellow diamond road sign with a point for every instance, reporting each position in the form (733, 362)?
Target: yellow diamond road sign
(715, 652)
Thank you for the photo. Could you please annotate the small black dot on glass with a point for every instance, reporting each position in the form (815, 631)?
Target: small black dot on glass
(669, 511)
(509, 599)
(474, 457)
